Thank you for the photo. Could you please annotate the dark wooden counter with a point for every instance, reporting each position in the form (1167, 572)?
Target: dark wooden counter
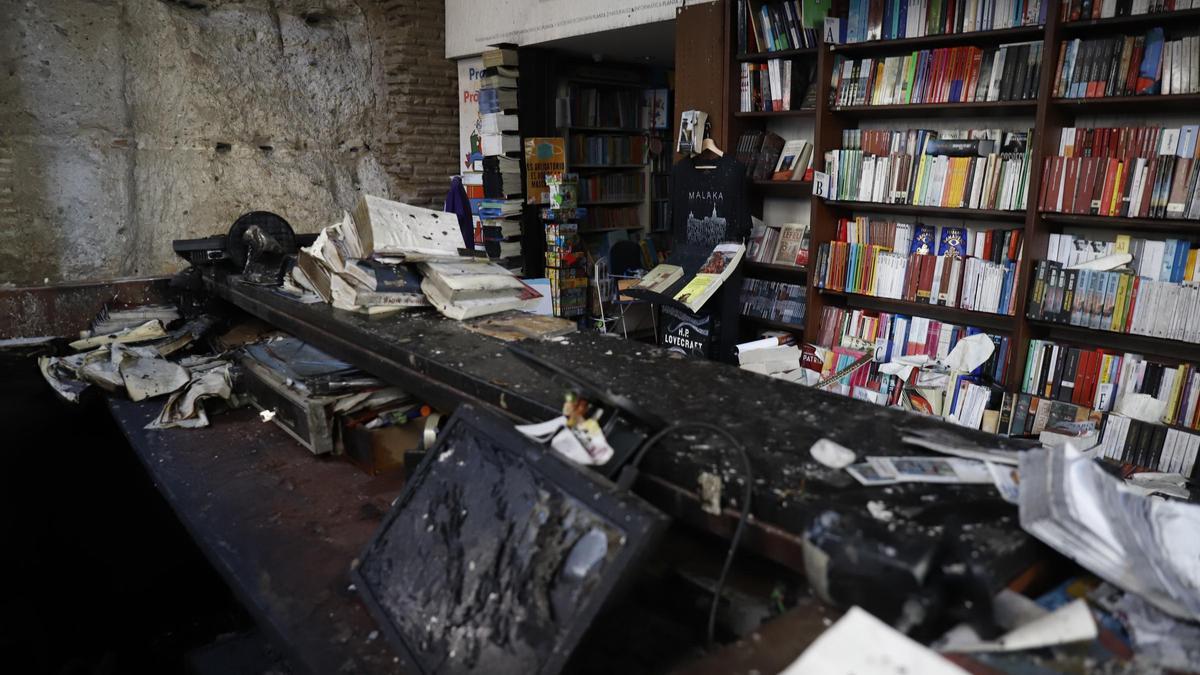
(443, 362)
(280, 526)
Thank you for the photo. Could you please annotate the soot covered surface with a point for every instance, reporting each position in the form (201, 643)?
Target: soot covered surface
(498, 555)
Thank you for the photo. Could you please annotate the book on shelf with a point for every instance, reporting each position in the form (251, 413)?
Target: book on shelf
(767, 156)
(608, 107)
(492, 101)
(711, 276)
(1029, 415)
(892, 336)
(877, 259)
(779, 244)
(1155, 447)
(870, 20)
(1107, 381)
(1116, 301)
(612, 187)
(499, 144)
(778, 25)
(978, 168)
(770, 355)
(972, 399)
(1128, 65)
(610, 218)
(947, 75)
(774, 300)
(1079, 10)
(1135, 172)
(795, 161)
(776, 85)
(607, 149)
(500, 57)
(499, 78)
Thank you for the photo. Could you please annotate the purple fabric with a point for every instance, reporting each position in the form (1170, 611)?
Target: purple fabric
(458, 204)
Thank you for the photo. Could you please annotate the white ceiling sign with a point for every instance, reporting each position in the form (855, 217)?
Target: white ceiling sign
(472, 25)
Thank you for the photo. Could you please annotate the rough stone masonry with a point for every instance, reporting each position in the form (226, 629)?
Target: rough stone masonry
(125, 124)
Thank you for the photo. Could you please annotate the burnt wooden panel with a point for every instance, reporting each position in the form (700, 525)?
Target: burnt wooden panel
(65, 309)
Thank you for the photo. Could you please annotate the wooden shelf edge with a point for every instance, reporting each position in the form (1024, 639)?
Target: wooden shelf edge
(1133, 20)
(1176, 351)
(963, 108)
(999, 322)
(780, 325)
(799, 112)
(1117, 222)
(782, 54)
(938, 211)
(991, 36)
(776, 267)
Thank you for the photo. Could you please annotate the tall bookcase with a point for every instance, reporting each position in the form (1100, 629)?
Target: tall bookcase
(1046, 116)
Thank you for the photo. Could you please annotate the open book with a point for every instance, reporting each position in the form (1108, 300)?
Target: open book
(719, 266)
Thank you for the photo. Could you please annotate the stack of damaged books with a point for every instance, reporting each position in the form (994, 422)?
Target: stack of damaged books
(372, 263)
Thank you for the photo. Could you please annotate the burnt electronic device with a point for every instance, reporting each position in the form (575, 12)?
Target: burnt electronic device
(498, 555)
(256, 245)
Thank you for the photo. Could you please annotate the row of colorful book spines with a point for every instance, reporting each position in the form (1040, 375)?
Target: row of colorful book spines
(948, 75)
(778, 26)
(1079, 10)
(921, 187)
(1103, 300)
(1139, 187)
(857, 262)
(1156, 447)
(889, 19)
(1092, 378)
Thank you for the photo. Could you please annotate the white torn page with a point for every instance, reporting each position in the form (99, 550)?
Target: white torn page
(1103, 264)
(860, 644)
(832, 454)
(970, 353)
(414, 233)
(151, 330)
(146, 374)
(1072, 622)
(1142, 407)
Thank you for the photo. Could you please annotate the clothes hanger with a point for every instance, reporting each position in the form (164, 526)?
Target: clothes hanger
(709, 152)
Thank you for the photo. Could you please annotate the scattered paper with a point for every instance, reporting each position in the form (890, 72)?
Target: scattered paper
(867, 474)
(61, 379)
(931, 469)
(970, 353)
(1007, 480)
(1143, 407)
(1072, 622)
(1108, 262)
(1141, 544)
(860, 644)
(1158, 638)
(941, 441)
(184, 409)
(146, 374)
(831, 454)
(151, 330)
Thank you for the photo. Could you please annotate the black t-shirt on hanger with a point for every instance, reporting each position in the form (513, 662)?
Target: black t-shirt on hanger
(709, 206)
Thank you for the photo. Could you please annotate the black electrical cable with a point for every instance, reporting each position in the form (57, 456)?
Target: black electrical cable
(629, 474)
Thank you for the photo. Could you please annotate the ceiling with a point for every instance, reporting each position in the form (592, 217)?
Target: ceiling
(648, 44)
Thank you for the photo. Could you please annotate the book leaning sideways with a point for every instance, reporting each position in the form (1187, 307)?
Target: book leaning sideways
(719, 266)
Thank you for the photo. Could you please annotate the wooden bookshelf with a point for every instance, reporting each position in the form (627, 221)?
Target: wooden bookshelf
(782, 54)
(766, 268)
(1047, 115)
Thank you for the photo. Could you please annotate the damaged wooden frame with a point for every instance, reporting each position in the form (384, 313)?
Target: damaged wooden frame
(498, 555)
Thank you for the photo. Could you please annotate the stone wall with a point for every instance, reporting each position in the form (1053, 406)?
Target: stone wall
(125, 124)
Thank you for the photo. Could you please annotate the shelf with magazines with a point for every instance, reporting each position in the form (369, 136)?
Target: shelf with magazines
(763, 269)
(988, 320)
(977, 38)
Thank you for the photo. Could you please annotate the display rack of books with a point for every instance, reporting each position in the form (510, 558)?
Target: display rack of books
(566, 266)
(498, 229)
(976, 165)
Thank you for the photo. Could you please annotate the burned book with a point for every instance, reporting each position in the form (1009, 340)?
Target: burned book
(498, 555)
